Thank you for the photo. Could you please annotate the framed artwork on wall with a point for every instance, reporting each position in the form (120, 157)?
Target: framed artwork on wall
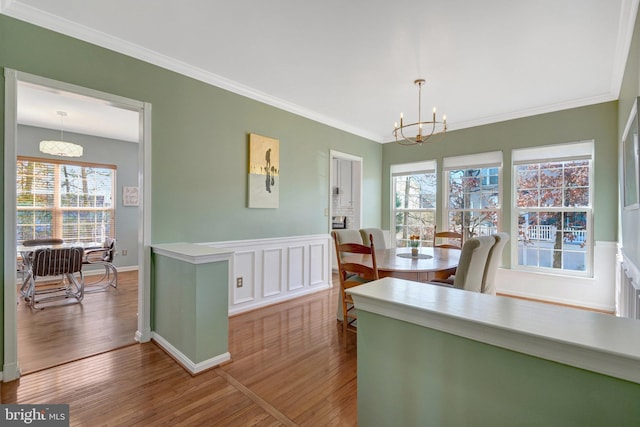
(130, 196)
(630, 160)
(264, 172)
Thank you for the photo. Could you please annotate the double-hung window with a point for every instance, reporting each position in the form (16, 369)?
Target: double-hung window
(414, 201)
(73, 201)
(473, 193)
(553, 208)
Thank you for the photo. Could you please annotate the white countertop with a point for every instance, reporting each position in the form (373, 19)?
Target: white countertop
(192, 253)
(598, 342)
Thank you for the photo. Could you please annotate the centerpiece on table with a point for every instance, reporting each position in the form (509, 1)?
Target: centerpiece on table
(414, 242)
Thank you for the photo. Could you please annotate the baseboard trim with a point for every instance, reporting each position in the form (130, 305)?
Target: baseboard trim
(10, 372)
(250, 307)
(192, 367)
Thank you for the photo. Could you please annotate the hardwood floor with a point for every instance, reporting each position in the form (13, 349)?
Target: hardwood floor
(59, 334)
(288, 367)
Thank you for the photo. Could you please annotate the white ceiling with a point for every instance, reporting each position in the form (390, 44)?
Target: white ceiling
(39, 106)
(351, 64)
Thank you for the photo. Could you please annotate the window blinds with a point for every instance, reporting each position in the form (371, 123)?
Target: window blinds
(414, 168)
(558, 152)
(469, 161)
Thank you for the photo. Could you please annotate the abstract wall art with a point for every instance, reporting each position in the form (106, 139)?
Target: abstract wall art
(264, 172)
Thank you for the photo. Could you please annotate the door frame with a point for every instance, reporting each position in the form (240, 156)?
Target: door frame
(10, 368)
(340, 155)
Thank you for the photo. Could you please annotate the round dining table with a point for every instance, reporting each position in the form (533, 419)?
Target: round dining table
(431, 263)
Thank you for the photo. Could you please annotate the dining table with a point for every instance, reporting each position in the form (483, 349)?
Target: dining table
(26, 250)
(26, 253)
(428, 264)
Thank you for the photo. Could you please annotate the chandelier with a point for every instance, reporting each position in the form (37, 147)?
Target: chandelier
(423, 130)
(61, 148)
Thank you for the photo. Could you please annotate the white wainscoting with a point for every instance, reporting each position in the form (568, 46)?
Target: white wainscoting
(275, 270)
(628, 289)
(597, 292)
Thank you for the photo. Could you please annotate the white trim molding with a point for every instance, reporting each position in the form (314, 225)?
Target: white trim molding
(627, 287)
(192, 367)
(52, 22)
(597, 292)
(269, 273)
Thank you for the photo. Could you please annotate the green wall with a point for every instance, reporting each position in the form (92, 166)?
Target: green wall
(199, 143)
(410, 375)
(595, 122)
(191, 306)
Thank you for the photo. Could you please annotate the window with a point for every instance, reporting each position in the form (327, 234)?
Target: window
(68, 200)
(472, 193)
(414, 201)
(552, 207)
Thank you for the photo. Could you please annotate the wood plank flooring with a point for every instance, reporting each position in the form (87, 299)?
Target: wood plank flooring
(59, 334)
(288, 367)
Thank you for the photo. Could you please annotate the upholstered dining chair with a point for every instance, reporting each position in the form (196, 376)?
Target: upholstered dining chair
(378, 237)
(495, 257)
(452, 239)
(347, 236)
(472, 265)
(353, 274)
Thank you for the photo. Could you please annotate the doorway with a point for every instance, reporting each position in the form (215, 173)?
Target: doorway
(14, 81)
(345, 201)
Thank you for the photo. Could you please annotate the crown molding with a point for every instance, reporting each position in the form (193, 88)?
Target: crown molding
(15, 9)
(544, 109)
(627, 20)
(69, 28)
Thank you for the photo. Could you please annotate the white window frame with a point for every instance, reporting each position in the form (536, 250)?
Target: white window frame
(404, 169)
(581, 150)
(491, 159)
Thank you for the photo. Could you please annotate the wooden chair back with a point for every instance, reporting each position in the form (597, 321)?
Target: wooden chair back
(448, 236)
(353, 274)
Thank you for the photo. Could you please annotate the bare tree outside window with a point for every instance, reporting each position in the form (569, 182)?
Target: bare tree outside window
(72, 201)
(553, 208)
(414, 207)
(473, 201)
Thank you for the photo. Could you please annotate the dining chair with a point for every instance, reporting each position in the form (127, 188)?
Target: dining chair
(458, 239)
(472, 265)
(378, 237)
(102, 256)
(353, 274)
(344, 236)
(23, 268)
(495, 257)
(348, 236)
(55, 262)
